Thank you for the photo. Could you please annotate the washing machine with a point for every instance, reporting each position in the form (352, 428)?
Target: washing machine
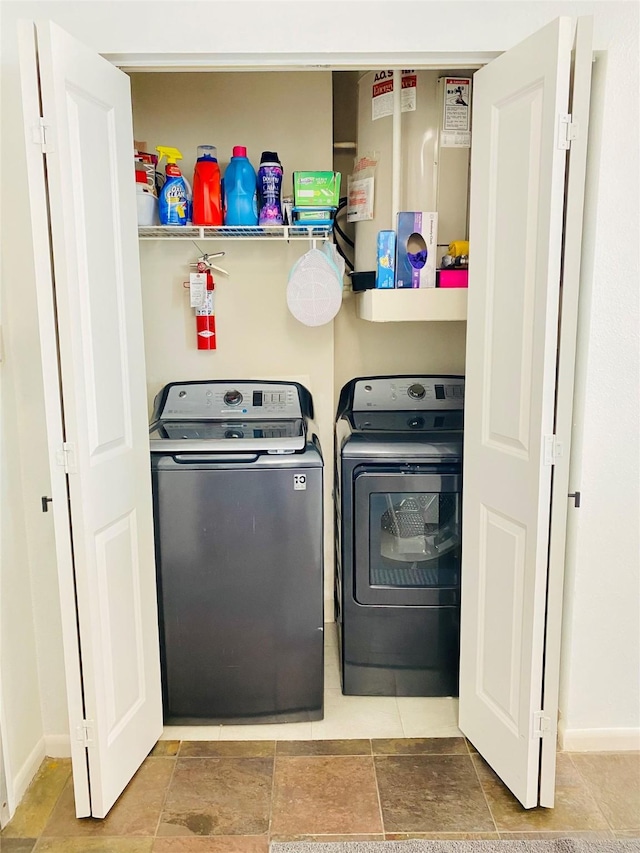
(398, 490)
(237, 476)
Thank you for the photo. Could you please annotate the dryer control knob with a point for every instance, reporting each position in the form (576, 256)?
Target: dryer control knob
(234, 433)
(416, 392)
(233, 398)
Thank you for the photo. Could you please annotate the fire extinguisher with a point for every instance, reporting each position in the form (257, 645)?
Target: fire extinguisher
(202, 287)
(205, 315)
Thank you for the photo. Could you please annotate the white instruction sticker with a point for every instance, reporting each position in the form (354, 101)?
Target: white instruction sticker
(197, 288)
(207, 309)
(455, 139)
(359, 199)
(299, 482)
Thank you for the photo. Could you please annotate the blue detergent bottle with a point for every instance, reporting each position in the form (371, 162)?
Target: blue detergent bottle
(240, 197)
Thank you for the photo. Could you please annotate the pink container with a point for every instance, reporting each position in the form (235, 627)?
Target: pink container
(454, 278)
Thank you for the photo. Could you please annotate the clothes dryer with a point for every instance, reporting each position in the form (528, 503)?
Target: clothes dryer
(398, 490)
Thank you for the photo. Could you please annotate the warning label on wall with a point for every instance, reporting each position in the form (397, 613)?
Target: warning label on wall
(457, 103)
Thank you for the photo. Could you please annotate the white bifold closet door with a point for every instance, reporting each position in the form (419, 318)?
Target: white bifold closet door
(511, 590)
(80, 161)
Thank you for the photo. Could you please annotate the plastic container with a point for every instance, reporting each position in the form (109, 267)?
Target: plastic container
(363, 280)
(240, 187)
(270, 189)
(146, 198)
(147, 205)
(174, 204)
(207, 201)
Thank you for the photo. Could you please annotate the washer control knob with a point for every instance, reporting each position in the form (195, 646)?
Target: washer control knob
(416, 391)
(233, 398)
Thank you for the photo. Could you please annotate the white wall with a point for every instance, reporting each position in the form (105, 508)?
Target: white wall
(601, 656)
(32, 700)
(600, 684)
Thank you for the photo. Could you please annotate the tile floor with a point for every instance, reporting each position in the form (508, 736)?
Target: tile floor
(372, 769)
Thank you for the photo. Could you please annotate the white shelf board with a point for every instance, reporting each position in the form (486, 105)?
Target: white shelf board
(412, 304)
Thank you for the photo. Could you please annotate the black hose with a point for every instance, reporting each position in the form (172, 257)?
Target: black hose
(336, 227)
(338, 232)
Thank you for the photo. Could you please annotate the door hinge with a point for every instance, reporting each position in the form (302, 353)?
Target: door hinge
(567, 131)
(541, 724)
(41, 134)
(84, 732)
(552, 449)
(66, 457)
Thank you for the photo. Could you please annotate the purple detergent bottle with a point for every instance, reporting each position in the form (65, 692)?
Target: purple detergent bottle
(269, 189)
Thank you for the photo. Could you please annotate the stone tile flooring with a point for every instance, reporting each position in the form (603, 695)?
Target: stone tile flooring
(234, 797)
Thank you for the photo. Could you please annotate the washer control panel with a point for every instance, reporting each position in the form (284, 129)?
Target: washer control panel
(221, 400)
(404, 393)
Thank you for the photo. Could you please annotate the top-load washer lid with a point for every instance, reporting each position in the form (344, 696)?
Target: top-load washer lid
(230, 417)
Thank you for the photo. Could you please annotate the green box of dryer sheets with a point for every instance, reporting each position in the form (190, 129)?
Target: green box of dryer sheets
(316, 189)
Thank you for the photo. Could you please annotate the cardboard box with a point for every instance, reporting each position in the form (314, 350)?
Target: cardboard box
(316, 189)
(453, 278)
(416, 249)
(385, 270)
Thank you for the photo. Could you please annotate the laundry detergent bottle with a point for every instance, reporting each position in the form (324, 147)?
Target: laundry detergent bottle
(269, 189)
(240, 196)
(207, 200)
(174, 199)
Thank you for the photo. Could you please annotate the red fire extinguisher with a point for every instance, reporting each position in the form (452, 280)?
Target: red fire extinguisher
(205, 316)
(202, 286)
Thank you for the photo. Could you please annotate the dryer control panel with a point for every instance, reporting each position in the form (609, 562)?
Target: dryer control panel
(408, 393)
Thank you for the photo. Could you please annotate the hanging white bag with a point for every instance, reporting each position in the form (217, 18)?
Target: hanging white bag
(314, 290)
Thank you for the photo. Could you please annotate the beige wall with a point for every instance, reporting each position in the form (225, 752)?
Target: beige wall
(371, 349)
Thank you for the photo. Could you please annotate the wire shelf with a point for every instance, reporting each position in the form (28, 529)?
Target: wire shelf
(235, 232)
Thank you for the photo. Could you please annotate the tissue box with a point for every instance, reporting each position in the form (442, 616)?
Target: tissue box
(317, 189)
(416, 249)
(386, 255)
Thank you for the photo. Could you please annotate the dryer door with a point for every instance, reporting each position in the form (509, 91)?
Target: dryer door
(407, 536)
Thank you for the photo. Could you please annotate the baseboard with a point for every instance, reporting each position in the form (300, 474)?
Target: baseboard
(598, 740)
(57, 746)
(23, 777)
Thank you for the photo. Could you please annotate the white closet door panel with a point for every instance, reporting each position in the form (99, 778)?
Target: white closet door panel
(571, 258)
(87, 109)
(516, 216)
(30, 92)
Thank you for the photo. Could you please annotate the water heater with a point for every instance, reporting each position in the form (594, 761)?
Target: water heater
(432, 177)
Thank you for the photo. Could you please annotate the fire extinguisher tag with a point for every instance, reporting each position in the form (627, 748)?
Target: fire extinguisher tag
(197, 289)
(207, 308)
